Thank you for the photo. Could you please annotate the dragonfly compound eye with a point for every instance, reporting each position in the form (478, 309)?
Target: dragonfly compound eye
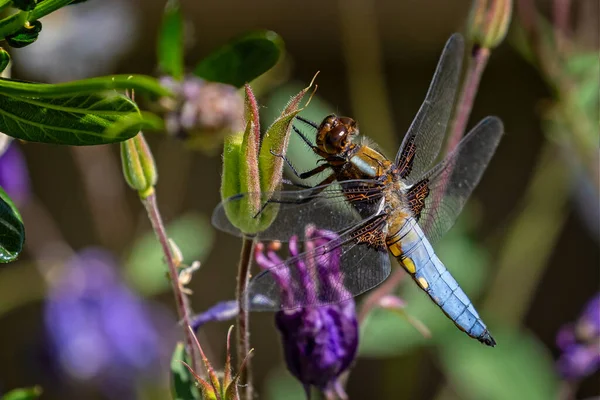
(335, 140)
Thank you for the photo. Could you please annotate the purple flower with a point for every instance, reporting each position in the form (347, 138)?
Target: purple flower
(14, 176)
(580, 343)
(100, 330)
(319, 343)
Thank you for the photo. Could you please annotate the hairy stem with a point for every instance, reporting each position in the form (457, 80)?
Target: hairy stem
(243, 333)
(477, 63)
(180, 299)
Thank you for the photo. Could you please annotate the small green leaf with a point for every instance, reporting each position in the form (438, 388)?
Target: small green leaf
(23, 394)
(183, 384)
(243, 59)
(519, 368)
(12, 231)
(77, 120)
(170, 41)
(25, 36)
(145, 268)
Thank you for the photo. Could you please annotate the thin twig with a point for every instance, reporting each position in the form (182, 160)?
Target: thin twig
(477, 63)
(383, 290)
(180, 299)
(243, 333)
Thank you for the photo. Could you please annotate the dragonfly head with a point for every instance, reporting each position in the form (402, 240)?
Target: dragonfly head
(334, 135)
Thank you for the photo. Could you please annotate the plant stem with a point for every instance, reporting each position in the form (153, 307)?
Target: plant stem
(140, 83)
(180, 299)
(383, 290)
(243, 333)
(477, 63)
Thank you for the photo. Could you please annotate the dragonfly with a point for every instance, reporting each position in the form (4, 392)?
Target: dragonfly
(380, 206)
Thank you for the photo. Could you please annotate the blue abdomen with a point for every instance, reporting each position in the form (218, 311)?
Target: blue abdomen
(419, 259)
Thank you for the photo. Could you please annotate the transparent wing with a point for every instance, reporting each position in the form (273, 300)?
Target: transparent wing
(335, 207)
(330, 273)
(424, 138)
(451, 182)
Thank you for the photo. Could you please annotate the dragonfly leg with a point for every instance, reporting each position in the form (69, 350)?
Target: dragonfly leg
(303, 137)
(316, 190)
(301, 175)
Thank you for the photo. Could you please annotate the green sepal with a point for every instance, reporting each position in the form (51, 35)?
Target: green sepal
(276, 141)
(12, 231)
(25, 5)
(25, 36)
(250, 167)
(4, 59)
(138, 164)
(243, 59)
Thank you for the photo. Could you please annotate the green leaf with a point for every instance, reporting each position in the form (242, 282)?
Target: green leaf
(12, 231)
(25, 36)
(183, 384)
(243, 59)
(77, 120)
(145, 269)
(385, 335)
(518, 368)
(23, 394)
(170, 41)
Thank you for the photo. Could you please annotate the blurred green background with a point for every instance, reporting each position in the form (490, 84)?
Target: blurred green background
(525, 249)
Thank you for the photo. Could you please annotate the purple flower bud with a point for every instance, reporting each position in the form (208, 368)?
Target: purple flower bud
(319, 343)
(14, 176)
(100, 331)
(580, 344)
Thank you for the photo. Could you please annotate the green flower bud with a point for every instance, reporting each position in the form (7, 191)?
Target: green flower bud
(25, 5)
(138, 165)
(489, 21)
(25, 36)
(4, 59)
(250, 167)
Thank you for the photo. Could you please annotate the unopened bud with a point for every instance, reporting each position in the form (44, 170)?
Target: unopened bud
(489, 21)
(138, 165)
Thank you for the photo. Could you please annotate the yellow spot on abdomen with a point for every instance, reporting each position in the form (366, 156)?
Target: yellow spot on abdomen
(423, 283)
(409, 265)
(395, 249)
